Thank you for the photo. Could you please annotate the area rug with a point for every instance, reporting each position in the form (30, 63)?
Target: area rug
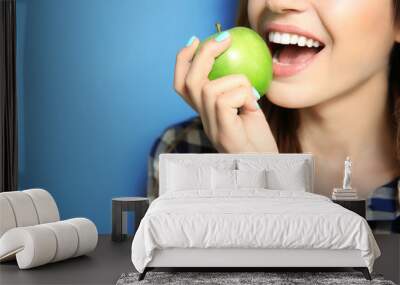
(244, 278)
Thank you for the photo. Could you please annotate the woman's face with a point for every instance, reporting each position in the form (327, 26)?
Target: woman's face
(356, 35)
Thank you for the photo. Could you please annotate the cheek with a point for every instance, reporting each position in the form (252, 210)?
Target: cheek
(357, 48)
(255, 9)
(362, 34)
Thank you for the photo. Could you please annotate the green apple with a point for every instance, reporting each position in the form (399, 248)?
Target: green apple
(248, 55)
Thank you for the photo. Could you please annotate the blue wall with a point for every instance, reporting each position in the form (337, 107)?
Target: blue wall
(95, 90)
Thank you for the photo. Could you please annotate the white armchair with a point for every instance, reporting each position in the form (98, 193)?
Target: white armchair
(31, 230)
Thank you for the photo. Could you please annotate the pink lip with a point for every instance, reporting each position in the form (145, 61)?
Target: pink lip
(290, 29)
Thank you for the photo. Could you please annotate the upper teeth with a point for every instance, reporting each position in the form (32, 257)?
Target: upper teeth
(292, 39)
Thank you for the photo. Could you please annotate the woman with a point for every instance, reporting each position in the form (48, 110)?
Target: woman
(335, 99)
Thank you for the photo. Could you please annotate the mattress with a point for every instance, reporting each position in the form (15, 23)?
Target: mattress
(251, 218)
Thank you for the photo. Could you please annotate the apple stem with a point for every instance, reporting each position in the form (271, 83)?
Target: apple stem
(218, 27)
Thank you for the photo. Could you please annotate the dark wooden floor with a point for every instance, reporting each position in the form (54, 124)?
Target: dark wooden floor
(111, 259)
(102, 266)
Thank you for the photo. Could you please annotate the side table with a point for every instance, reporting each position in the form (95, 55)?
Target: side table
(357, 206)
(122, 205)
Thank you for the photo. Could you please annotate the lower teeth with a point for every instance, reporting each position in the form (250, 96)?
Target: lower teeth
(275, 58)
(276, 55)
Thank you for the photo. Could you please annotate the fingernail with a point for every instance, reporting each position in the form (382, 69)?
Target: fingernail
(256, 105)
(190, 41)
(256, 94)
(222, 36)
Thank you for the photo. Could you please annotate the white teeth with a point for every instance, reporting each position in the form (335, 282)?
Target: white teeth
(302, 41)
(285, 39)
(271, 37)
(276, 38)
(292, 39)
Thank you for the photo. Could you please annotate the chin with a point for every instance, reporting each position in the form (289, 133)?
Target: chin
(290, 101)
(294, 97)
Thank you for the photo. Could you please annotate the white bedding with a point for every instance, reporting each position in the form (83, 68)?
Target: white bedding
(250, 218)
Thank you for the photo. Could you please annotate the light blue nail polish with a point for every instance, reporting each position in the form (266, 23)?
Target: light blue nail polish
(190, 41)
(222, 36)
(256, 94)
(256, 105)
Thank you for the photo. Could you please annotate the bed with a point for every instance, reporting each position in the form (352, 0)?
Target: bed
(247, 211)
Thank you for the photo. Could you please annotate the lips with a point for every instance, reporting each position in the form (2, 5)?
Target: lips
(293, 49)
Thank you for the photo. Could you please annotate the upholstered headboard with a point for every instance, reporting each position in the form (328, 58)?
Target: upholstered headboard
(227, 160)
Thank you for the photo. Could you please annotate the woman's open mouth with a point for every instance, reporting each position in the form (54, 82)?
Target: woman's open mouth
(291, 53)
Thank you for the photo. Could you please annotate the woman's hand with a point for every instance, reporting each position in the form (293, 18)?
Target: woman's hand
(217, 101)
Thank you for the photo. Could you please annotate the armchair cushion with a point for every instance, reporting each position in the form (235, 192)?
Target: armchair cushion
(40, 244)
(30, 230)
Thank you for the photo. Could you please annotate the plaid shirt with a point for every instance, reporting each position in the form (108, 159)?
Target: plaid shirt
(383, 210)
(185, 137)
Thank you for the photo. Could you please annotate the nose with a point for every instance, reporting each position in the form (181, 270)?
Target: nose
(284, 6)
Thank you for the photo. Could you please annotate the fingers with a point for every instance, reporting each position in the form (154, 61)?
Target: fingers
(226, 106)
(217, 101)
(183, 62)
(202, 64)
(227, 83)
(215, 88)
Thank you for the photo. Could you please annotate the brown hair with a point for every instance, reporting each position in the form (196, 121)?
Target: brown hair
(284, 122)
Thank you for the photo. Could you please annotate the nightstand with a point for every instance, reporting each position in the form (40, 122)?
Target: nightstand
(357, 206)
(122, 205)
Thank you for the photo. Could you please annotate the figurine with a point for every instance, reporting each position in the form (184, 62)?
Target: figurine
(347, 192)
(347, 174)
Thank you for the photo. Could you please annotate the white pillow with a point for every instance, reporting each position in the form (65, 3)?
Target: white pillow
(251, 178)
(188, 177)
(224, 179)
(293, 179)
(287, 174)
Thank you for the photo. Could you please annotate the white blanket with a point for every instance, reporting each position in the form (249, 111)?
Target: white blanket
(251, 218)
